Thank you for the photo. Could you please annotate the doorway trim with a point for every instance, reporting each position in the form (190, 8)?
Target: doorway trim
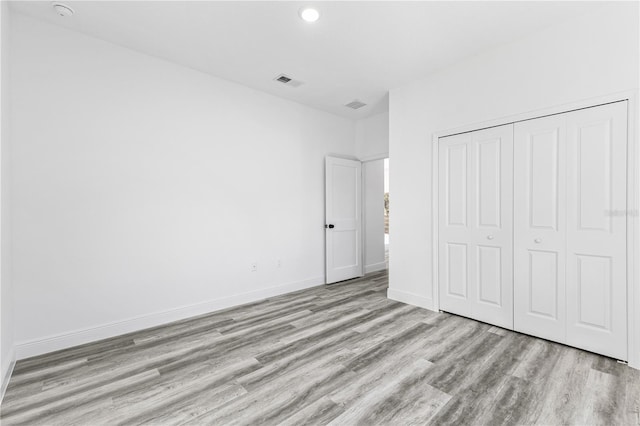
(365, 216)
(633, 199)
(374, 157)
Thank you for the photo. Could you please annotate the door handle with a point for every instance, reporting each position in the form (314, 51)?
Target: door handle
(489, 237)
(331, 226)
(537, 241)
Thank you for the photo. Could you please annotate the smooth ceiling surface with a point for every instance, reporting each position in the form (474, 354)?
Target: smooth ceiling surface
(357, 50)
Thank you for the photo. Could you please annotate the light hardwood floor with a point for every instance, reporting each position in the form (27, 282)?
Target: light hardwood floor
(340, 355)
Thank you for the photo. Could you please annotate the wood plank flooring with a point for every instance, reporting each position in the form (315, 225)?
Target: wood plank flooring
(338, 355)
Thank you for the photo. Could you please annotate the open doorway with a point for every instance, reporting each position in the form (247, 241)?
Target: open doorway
(373, 172)
(386, 211)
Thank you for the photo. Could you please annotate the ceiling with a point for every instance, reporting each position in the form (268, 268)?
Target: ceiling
(356, 50)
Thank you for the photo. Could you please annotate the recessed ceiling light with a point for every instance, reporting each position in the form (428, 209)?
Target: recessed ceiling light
(309, 14)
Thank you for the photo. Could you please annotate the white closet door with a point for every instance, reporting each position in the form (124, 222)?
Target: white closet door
(475, 225)
(596, 224)
(539, 227)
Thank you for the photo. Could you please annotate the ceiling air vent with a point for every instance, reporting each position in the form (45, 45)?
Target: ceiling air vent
(355, 104)
(285, 79)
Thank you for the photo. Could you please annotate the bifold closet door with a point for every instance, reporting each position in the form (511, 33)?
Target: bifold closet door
(570, 207)
(596, 229)
(475, 225)
(540, 227)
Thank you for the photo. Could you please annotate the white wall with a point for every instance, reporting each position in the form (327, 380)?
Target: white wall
(6, 296)
(587, 57)
(372, 137)
(141, 187)
(373, 184)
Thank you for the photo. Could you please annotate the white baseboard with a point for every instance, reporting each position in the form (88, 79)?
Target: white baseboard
(410, 298)
(48, 344)
(6, 374)
(375, 267)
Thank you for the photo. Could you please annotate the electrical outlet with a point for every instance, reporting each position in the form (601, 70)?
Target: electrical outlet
(279, 263)
(254, 267)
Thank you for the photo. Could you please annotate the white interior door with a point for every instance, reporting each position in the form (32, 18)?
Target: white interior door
(343, 219)
(475, 225)
(539, 227)
(596, 229)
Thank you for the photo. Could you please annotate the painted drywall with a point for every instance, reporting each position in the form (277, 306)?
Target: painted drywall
(144, 191)
(589, 56)
(372, 137)
(373, 184)
(6, 295)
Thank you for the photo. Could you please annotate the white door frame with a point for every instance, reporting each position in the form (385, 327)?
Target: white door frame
(363, 178)
(633, 200)
(375, 157)
(366, 159)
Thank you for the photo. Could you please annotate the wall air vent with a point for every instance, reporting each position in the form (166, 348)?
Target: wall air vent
(288, 81)
(355, 104)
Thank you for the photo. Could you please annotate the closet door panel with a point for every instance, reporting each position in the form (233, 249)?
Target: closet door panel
(489, 275)
(489, 155)
(539, 227)
(456, 155)
(596, 229)
(455, 201)
(543, 284)
(457, 275)
(493, 226)
(475, 225)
